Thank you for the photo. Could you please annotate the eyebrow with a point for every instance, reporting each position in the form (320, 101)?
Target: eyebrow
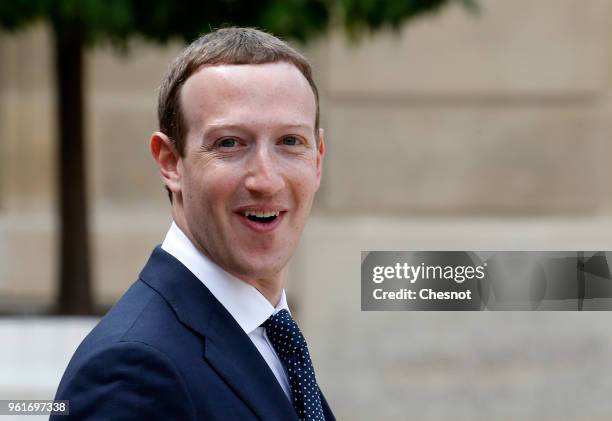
(222, 126)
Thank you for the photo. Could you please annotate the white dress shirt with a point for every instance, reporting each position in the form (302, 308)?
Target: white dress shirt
(244, 302)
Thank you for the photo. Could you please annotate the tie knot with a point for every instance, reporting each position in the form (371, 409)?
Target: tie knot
(284, 333)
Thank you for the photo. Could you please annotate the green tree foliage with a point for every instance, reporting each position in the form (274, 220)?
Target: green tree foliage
(78, 24)
(161, 20)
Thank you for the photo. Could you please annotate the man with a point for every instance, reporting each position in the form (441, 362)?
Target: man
(205, 332)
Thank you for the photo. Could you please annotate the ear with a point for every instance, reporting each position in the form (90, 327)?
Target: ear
(320, 155)
(167, 158)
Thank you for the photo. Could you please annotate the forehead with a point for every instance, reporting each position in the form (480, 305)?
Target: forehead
(257, 95)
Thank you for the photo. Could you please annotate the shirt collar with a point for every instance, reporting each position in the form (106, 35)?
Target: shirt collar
(243, 301)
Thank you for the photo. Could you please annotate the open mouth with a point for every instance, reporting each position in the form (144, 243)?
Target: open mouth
(261, 216)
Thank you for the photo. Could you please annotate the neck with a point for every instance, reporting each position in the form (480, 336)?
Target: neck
(270, 287)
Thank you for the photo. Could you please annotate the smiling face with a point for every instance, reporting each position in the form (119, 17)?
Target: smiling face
(251, 165)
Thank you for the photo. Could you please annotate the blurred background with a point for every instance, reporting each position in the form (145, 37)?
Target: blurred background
(450, 125)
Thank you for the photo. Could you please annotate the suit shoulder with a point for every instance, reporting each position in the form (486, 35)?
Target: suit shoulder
(123, 314)
(140, 315)
(159, 326)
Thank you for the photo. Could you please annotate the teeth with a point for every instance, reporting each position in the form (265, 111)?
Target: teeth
(261, 214)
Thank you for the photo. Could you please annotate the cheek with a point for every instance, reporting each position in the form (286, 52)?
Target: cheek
(218, 188)
(304, 189)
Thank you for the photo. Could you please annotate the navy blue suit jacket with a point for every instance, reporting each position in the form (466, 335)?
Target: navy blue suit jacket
(168, 350)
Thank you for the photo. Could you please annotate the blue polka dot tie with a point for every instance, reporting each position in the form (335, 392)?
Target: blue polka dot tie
(290, 345)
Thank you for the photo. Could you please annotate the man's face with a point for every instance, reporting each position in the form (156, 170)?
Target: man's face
(251, 165)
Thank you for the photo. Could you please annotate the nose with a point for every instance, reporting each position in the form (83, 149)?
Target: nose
(264, 177)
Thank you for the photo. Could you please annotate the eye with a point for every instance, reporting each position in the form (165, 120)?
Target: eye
(291, 140)
(228, 142)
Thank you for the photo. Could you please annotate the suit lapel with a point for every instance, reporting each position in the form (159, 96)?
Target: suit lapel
(227, 348)
(245, 370)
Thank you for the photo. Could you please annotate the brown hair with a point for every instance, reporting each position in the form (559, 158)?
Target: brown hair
(222, 47)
